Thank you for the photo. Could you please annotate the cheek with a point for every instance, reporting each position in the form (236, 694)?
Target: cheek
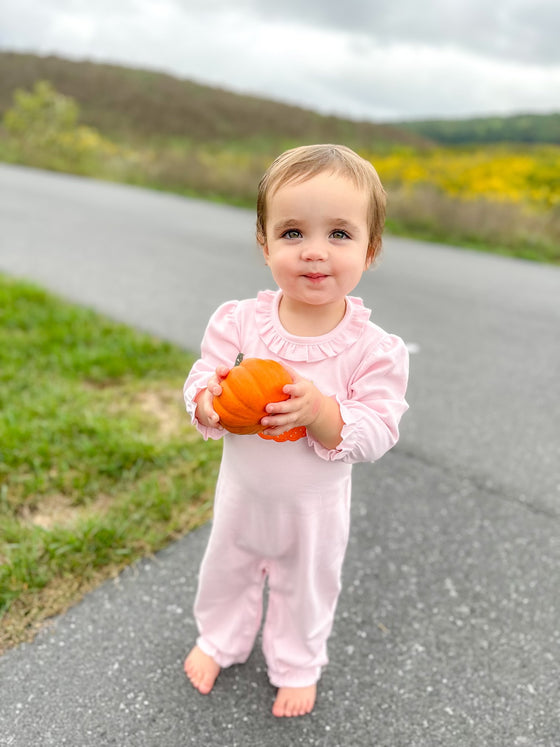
(353, 270)
(277, 259)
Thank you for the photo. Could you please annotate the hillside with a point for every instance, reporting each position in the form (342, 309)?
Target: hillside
(520, 128)
(489, 183)
(135, 104)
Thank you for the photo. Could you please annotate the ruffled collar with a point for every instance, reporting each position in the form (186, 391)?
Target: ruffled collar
(293, 348)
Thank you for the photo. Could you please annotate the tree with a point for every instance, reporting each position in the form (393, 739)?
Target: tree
(43, 131)
(41, 115)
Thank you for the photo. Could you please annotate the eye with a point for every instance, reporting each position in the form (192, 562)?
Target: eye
(291, 233)
(339, 234)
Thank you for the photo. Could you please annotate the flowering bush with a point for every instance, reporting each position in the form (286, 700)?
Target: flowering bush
(43, 131)
(499, 174)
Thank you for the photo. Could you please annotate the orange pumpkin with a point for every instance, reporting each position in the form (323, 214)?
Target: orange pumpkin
(249, 386)
(294, 434)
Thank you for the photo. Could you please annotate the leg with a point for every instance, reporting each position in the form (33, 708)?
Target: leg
(304, 589)
(228, 605)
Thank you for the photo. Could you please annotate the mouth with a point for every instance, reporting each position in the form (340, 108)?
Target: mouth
(315, 276)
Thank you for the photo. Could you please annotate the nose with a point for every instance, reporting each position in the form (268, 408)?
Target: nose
(314, 251)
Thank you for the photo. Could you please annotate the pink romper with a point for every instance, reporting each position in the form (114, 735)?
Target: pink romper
(282, 510)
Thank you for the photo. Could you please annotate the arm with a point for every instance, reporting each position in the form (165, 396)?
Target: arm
(219, 349)
(358, 427)
(375, 405)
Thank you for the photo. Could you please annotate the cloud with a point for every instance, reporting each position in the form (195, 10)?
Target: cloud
(518, 30)
(359, 59)
(422, 82)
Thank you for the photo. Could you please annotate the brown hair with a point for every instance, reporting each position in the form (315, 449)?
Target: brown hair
(305, 162)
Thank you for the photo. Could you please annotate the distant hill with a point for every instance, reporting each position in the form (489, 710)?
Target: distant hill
(519, 128)
(131, 103)
(158, 131)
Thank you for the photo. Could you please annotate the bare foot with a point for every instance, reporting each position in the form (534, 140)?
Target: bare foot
(201, 670)
(294, 701)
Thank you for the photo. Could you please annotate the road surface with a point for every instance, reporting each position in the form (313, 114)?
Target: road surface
(447, 631)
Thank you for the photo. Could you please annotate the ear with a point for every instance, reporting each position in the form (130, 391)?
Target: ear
(261, 241)
(373, 252)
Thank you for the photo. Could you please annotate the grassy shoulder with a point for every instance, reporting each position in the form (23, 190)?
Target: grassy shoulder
(98, 463)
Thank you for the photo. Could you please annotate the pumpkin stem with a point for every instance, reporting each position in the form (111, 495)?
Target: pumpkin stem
(238, 359)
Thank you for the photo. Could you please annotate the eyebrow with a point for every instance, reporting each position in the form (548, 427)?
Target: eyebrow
(342, 223)
(285, 223)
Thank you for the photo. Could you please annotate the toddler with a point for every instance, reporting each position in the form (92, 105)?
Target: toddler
(282, 508)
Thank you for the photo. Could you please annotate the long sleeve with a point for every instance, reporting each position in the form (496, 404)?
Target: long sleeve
(360, 364)
(220, 346)
(374, 407)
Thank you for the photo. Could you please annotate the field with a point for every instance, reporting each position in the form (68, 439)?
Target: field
(503, 198)
(153, 130)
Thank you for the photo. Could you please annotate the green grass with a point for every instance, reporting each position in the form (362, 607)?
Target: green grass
(98, 463)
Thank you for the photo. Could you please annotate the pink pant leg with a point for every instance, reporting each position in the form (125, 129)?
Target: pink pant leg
(301, 543)
(304, 586)
(228, 604)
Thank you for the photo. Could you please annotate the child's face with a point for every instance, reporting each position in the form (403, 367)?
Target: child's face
(317, 238)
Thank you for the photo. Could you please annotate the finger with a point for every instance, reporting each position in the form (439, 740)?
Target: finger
(292, 389)
(274, 408)
(276, 431)
(279, 421)
(222, 371)
(285, 406)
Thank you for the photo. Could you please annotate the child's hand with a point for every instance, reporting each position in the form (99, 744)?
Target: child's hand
(302, 408)
(307, 407)
(205, 413)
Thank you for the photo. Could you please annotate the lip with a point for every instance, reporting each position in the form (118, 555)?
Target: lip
(315, 275)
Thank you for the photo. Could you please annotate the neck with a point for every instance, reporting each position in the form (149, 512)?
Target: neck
(306, 320)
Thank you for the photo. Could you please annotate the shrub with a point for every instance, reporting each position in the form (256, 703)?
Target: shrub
(43, 130)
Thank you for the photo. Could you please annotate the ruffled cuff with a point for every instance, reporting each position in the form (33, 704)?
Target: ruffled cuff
(350, 439)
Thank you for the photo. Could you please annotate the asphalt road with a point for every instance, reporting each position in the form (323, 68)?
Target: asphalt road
(447, 630)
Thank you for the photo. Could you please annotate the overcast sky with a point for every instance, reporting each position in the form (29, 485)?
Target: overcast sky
(364, 59)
